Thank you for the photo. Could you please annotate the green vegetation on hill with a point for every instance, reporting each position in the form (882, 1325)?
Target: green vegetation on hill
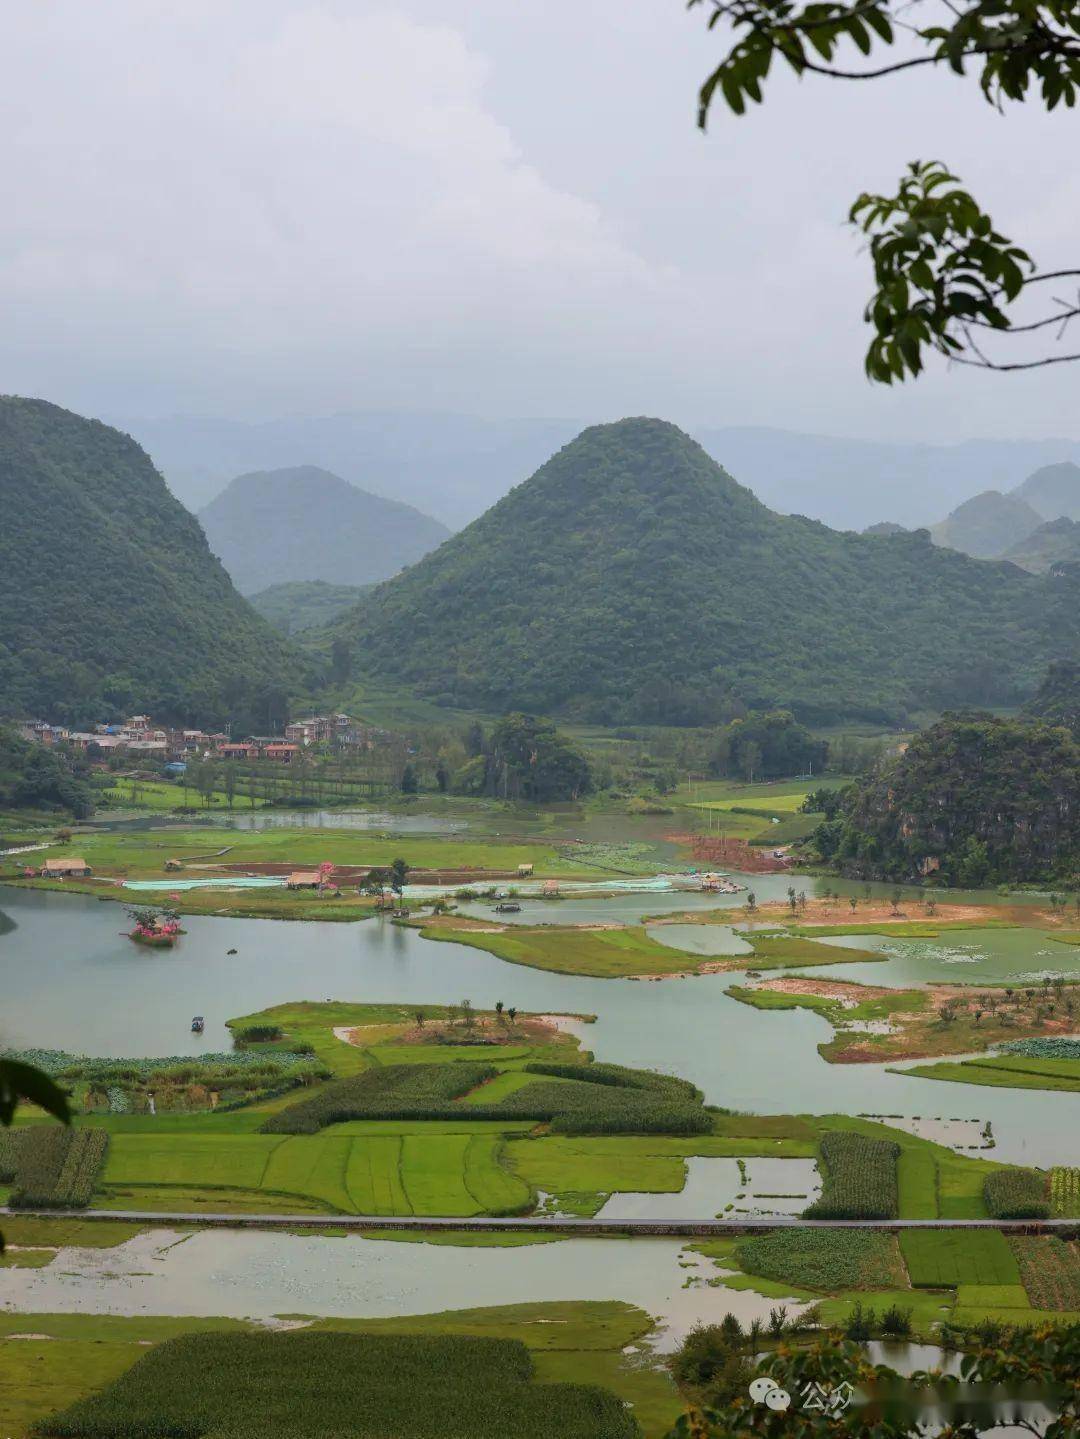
(631, 577)
(987, 524)
(1053, 490)
(981, 799)
(1057, 700)
(298, 605)
(1055, 543)
(109, 595)
(308, 524)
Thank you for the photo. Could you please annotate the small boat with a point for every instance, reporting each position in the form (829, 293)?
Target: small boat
(198, 1024)
(510, 907)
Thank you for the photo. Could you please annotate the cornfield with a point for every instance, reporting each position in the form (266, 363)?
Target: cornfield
(1016, 1194)
(1065, 1191)
(616, 1101)
(57, 1168)
(341, 1386)
(858, 1178)
(10, 1142)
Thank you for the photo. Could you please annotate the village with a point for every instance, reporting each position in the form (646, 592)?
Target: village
(141, 737)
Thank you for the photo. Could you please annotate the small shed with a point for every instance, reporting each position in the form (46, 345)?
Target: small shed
(72, 868)
(303, 879)
(551, 888)
(524, 870)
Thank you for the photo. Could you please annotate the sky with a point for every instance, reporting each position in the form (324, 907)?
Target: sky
(267, 207)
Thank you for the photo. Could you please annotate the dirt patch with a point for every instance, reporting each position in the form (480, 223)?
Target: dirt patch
(731, 854)
(845, 992)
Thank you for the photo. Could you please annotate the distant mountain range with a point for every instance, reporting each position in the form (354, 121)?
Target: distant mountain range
(110, 599)
(456, 466)
(1034, 525)
(631, 578)
(282, 526)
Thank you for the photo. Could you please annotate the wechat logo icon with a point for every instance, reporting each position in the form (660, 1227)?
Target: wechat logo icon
(764, 1390)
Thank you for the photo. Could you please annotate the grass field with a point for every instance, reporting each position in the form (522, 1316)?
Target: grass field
(622, 953)
(160, 795)
(943, 1259)
(599, 953)
(1007, 1071)
(142, 854)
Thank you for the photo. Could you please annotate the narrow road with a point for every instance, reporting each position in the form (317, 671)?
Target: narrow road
(541, 1224)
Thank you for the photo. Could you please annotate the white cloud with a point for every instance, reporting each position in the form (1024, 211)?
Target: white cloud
(262, 205)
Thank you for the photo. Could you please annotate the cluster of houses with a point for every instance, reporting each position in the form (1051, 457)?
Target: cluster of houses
(139, 737)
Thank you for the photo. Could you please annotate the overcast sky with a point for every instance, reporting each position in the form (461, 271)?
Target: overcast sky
(258, 207)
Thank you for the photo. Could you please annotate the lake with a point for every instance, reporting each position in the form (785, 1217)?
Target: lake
(71, 980)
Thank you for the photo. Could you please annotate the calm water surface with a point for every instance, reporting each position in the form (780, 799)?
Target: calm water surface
(245, 1274)
(71, 980)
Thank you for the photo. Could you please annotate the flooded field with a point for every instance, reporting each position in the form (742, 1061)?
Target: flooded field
(248, 1274)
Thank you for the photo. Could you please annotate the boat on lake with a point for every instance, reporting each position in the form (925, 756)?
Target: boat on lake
(198, 1024)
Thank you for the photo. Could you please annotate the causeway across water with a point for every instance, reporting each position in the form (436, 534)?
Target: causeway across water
(542, 1224)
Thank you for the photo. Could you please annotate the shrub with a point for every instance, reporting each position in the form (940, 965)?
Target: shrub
(861, 1323)
(896, 1322)
(859, 1178)
(57, 1167)
(257, 1034)
(349, 1386)
(1016, 1194)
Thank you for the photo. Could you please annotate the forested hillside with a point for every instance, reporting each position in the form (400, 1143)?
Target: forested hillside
(109, 597)
(1057, 542)
(632, 578)
(305, 604)
(1057, 700)
(278, 526)
(973, 800)
(986, 525)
